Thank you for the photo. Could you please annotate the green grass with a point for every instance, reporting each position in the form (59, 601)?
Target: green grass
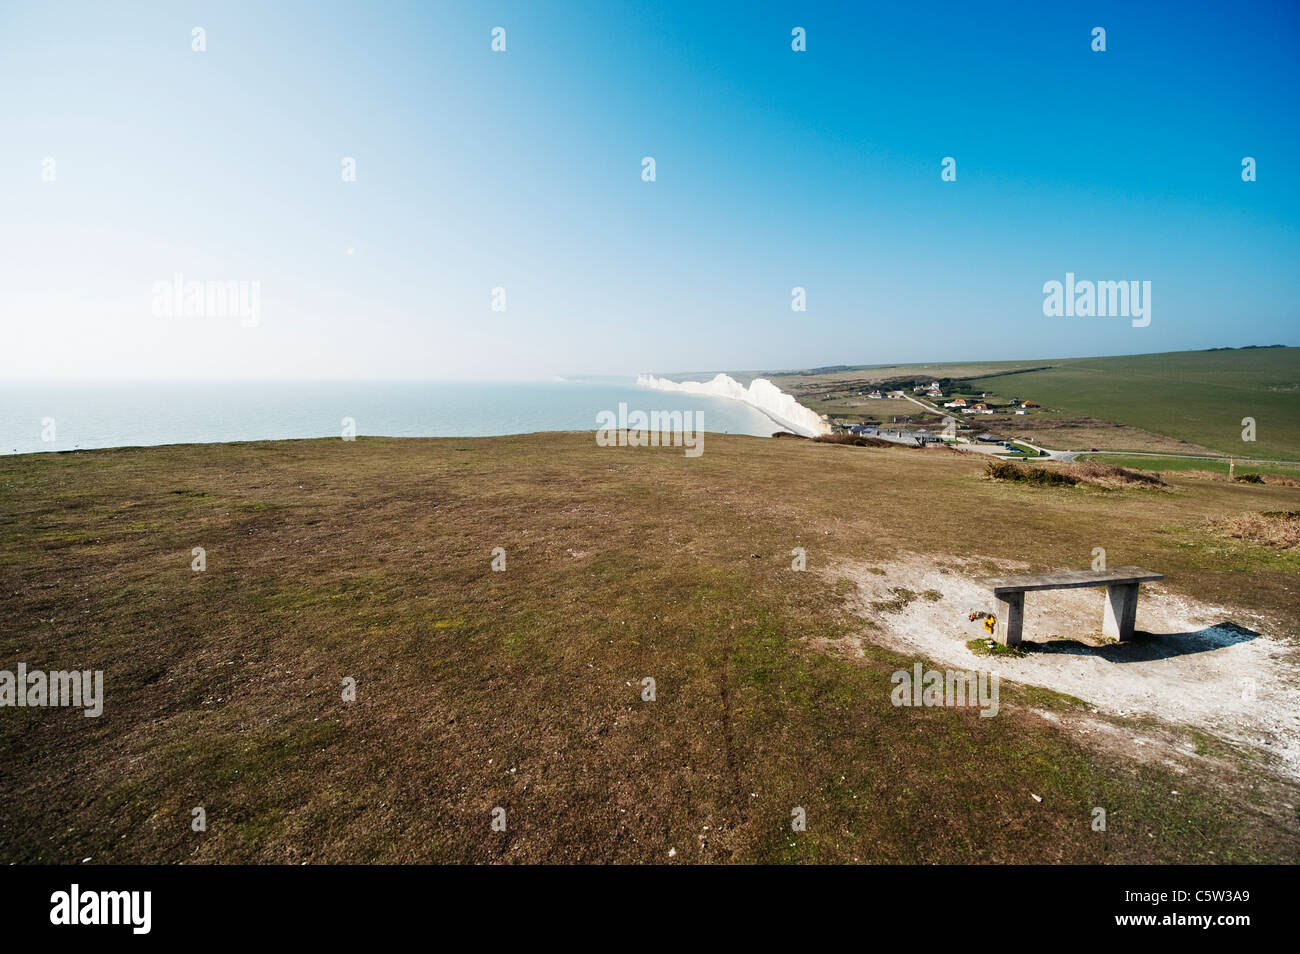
(985, 646)
(1196, 396)
(1024, 449)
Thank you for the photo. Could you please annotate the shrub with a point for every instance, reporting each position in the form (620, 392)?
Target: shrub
(857, 440)
(1041, 476)
(1278, 528)
(1095, 472)
(1276, 480)
(1091, 473)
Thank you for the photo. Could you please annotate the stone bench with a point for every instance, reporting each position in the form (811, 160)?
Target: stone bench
(1121, 597)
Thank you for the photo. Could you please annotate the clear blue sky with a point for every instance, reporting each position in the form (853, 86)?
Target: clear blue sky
(523, 170)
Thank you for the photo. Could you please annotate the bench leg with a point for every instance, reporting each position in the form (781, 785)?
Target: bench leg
(1121, 611)
(1011, 618)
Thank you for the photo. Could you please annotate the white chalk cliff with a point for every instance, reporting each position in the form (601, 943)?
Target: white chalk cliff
(761, 394)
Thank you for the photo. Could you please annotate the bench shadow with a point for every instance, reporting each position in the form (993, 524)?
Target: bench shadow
(1144, 647)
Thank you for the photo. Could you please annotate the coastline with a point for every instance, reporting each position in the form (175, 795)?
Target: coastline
(52, 416)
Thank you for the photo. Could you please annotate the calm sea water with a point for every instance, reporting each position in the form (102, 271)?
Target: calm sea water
(124, 414)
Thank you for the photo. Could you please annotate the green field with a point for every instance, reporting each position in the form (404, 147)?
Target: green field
(1018, 450)
(1196, 396)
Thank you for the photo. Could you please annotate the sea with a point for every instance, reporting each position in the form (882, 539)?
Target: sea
(56, 415)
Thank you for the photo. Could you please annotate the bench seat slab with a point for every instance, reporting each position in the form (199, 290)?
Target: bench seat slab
(1069, 579)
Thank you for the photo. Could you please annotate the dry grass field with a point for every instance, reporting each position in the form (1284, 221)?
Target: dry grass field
(522, 689)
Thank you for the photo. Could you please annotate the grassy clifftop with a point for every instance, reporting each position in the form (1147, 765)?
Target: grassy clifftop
(522, 689)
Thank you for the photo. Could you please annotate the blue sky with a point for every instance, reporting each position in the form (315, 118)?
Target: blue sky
(522, 170)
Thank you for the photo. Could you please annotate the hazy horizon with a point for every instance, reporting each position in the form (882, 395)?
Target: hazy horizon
(574, 377)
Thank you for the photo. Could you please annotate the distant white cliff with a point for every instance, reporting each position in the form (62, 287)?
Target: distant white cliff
(761, 394)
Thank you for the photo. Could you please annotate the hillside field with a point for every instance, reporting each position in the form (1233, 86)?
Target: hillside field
(1187, 402)
(1196, 396)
